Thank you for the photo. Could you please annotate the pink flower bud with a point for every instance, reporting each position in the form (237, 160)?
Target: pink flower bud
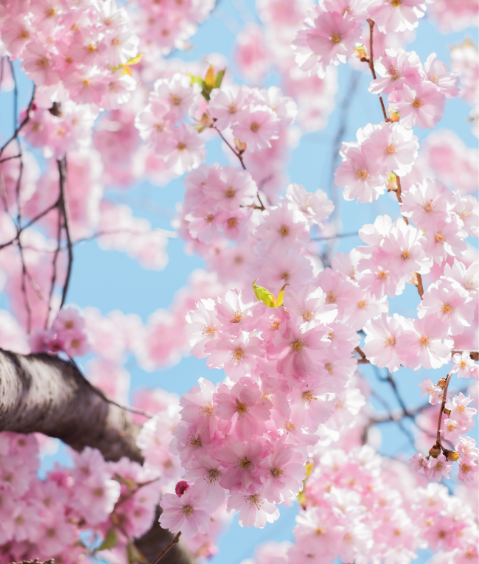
(181, 488)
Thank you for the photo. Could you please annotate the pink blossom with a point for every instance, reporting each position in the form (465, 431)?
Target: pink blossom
(445, 238)
(435, 392)
(244, 405)
(257, 126)
(296, 350)
(252, 54)
(237, 357)
(281, 227)
(464, 366)
(231, 188)
(425, 345)
(382, 338)
(459, 410)
(359, 175)
(450, 303)
(419, 463)
(438, 467)
(187, 149)
(391, 15)
(394, 146)
(328, 38)
(397, 68)
(436, 72)
(427, 202)
(188, 513)
(422, 106)
(254, 510)
(226, 104)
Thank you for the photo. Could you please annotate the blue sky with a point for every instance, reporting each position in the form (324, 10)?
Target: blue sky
(110, 280)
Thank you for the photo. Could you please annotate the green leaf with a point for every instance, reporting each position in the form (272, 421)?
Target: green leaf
(219, 78)
(210, 78)
(110, 540)
(197, 80)
(264, 295)
(135, 60)
(134, 555)
(279, 301)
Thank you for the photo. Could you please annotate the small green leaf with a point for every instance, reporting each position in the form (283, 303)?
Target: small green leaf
(264, 295)
(110, 540)
(135, 60)
(197, 80)
(279, 301)
(219, 78)
(210, 78)
(134, 555)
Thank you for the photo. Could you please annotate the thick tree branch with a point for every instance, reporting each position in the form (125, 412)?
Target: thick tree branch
(40, 393)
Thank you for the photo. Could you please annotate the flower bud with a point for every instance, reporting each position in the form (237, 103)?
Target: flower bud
(181, 488)
(394, 116)
(360, 52)
(442, 383)
(240, 146)
(447, 411)
(435, 451)
(452, 456)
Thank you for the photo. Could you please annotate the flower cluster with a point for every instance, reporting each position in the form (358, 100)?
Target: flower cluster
(359, 509)
(72, 51)
(47, 518)
(67, 333)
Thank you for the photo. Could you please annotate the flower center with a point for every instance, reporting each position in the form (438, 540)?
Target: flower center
(290, 427)
(390, 149)
(241, 408)
(362, 304)
(187, 510)
(390, 341)
(232, 109)
(439, 238)
(232, 222)
(297, 345)
(196, 442)
(405, 255)
(238, 354)
(285, 276)
(255, 127)
(416, 103)
(308, 396)
(276, 472)
(335, 38)
(213, 475)
(447, 308)
(284, 231)
(207, 410)
(244, 463)
(237, 317)
(307, 315)
(181, 146)
(424, 341)
(255, 500)
(209, 330)
(230, 192)
(362, 174)
(42, 62)
(175, 100)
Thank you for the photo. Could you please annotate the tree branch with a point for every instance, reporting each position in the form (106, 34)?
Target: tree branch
(44, 394)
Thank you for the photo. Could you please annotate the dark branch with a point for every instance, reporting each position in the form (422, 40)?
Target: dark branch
(44, 394)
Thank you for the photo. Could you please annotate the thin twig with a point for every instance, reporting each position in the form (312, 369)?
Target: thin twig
(10, 158)
(371, 65)
(176, 538)
(62, 169)
(240, 158)
(441, 411)
(26, 119)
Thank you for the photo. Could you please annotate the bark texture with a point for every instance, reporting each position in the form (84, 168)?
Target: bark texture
(40, 393)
